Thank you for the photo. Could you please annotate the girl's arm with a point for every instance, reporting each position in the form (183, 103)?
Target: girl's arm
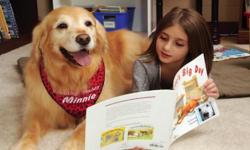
(140, 77)
(211, 89)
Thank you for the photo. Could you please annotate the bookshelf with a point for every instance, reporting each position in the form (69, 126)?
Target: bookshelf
(26, 17)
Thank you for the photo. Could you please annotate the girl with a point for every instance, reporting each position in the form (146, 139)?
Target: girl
(180, 37)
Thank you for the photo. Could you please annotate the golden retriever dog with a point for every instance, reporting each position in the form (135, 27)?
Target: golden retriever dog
(74, 64)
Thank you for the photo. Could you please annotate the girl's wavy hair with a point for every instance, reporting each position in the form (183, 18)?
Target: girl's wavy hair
(195, 26)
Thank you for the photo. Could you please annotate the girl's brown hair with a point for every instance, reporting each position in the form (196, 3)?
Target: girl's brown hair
(199, 39)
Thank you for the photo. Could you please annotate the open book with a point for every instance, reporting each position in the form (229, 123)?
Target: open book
(228, 52)
(152, 119)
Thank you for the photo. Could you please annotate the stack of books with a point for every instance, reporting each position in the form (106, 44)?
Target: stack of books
(8, 25)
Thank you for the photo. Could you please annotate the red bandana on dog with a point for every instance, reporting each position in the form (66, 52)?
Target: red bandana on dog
(76, 105)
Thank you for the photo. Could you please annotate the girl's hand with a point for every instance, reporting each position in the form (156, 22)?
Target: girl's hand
(210, 89)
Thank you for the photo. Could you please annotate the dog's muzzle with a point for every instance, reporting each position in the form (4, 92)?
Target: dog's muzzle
(82, 56)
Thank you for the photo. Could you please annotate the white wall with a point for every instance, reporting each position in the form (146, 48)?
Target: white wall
(58, 3)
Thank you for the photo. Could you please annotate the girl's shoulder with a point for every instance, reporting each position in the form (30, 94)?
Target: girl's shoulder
(147, 64)
(148, 61)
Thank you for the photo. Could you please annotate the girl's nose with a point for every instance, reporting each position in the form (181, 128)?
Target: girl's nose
(167, 46)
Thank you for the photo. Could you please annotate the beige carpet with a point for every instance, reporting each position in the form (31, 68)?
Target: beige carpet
(230, 131)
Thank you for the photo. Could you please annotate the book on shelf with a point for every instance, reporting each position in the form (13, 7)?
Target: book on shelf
(1, 35)
(10, 18)
(152, 119)
(4, 26)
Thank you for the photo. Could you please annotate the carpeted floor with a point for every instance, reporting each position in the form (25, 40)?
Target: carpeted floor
(232, 76)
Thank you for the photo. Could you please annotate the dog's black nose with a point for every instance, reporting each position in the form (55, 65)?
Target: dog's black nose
(83, 39)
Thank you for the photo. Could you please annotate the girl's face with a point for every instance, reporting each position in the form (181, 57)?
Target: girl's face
(172, 45)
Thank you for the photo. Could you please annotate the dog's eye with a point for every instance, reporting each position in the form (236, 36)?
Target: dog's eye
(62, 26)
(88, 23)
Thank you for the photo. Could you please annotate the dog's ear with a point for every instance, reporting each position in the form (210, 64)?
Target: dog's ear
(38, 40)
(101, 36)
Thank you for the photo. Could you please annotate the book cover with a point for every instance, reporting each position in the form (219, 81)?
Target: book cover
(228, 52)
(4, 25)
(10, 18)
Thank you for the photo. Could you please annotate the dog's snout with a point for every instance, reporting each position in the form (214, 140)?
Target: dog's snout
(83, 39)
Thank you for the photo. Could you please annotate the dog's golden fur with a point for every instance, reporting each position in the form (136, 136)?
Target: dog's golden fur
(118, 49)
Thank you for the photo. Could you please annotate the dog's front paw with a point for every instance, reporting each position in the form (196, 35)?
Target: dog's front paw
(73, 144)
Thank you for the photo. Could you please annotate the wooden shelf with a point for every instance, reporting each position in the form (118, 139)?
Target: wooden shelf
(8, 45)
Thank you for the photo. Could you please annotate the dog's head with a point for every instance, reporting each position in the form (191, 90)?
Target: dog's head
(69, 35)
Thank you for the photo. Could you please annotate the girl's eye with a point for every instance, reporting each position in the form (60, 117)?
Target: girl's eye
(62, 26)
(179, 44)
(163, 37)
(88, 23)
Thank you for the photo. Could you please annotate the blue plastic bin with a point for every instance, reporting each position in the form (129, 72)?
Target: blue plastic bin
(116, 20)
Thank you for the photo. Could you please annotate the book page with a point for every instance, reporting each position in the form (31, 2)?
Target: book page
(141, 119)
(193, 107)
